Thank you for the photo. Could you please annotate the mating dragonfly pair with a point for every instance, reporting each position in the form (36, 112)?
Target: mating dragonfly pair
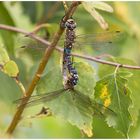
(101, 41)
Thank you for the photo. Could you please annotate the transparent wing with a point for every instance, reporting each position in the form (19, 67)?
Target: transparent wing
(98, 109)
(97, 39)
(99, 43)
(29, 46)
(106, 43)
(100, 38)
(37, 99)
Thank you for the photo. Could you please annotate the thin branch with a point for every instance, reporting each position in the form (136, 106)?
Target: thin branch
(91, 58)
(20, 86)
(40, 70)
(39, 27)
(106, 62)
(65, 6)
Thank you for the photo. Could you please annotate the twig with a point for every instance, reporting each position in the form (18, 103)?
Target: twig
(43, 41)
(40, 70)
(20, 86)
(65, 6)
(15, 78)
(91, 58)
(106, 62)
(39, 27)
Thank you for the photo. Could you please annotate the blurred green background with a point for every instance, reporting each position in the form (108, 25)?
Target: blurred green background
(27, 15)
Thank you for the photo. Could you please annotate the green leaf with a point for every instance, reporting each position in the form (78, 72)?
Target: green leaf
(106, 69)
(3, 56)
(11, 69)
(86, 82)
(9, 90)
(102, 6)
(17, 14)
(113, 92)
(74, 107)
(4, 15)
(133, 84)
(39, 9)
(8, 38)
(91, 6)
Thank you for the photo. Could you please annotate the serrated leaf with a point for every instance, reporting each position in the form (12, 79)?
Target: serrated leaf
(11, 68)
(133, 84)
(91, 6)
(3, 56)
(113, 90)
(126, 74)
(74, 107)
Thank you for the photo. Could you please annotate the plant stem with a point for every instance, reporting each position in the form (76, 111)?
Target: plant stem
(65, 6)
(91, 58)
(40, 70)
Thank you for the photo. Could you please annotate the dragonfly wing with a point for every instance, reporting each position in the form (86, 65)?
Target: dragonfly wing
(101, 42)
(103, 110)
(100, 37)
(30, 46)
(37, 99)
(98, 109)
(85, 99)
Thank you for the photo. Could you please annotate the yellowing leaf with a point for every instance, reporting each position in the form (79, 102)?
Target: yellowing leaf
(133, 84)
(91, 6)
(107, 102)
(105, 97)
(11, 68)
(117, 100)
(104, 92)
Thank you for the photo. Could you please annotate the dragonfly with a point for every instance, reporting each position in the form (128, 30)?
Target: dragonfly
(100, 40)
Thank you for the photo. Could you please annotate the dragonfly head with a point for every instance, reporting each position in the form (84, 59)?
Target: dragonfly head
(70, 24)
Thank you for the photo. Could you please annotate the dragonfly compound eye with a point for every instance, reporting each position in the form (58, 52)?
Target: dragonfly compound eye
(70, 24)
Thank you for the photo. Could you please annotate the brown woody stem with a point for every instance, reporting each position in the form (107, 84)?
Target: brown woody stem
(41, 67)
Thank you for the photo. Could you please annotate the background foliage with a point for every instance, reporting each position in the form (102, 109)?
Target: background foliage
(27, 15)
